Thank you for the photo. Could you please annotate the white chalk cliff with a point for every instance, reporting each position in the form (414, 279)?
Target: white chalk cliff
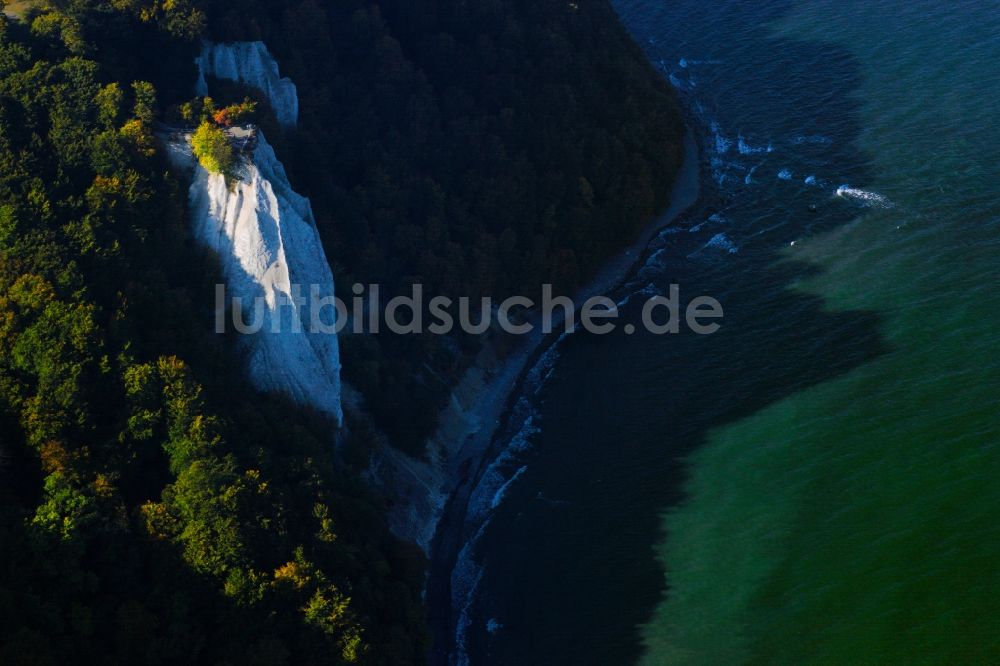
(250, 63)
(266, 238)
(272, 257)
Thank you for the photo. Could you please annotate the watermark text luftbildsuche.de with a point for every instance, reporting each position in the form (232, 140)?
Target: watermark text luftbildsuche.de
(308, 309)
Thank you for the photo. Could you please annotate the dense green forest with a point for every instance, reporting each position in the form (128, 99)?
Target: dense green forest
(154, 507)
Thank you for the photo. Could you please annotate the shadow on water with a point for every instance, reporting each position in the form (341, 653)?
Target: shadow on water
(571, 561)
(570, 556)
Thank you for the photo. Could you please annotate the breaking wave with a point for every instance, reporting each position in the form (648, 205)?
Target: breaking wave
(720, 242)
(745, 148)
(864, 196)
(714, 218)
(684, 63)
(722, 144)
(490, 493)
(649, 290)
(498, 497)
(722, 169)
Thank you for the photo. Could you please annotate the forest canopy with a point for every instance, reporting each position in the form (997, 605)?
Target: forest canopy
(154, 508)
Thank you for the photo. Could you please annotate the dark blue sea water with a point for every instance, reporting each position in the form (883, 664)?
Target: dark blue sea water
(815, 482)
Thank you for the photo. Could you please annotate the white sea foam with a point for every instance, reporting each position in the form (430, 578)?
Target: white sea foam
(649, 290)
(493, 484)
(745, 148)
(721, 169)
(684, 63)
(485, 499)
(542, 370)
(816, 139)
(465, 580)
(810, 180)
(785, 174)
(714, 218)
(722, 144)
(656, 259)
(654, 265)
(725, 165)
(490, 492)
(864, 196)
(720, 242)
(498, 497)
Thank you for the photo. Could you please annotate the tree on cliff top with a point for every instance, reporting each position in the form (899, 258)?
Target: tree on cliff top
(213, 150)
(235, 113)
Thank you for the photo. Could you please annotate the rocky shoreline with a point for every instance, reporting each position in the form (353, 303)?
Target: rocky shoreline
(465, 445)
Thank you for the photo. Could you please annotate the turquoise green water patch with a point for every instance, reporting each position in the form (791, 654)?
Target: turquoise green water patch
(859, 521)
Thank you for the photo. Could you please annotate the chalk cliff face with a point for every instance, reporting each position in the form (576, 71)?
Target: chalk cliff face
(265, 235)
(266, 238)
(250, 63)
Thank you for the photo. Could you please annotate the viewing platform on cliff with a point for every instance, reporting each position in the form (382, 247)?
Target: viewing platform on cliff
(242, 137)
